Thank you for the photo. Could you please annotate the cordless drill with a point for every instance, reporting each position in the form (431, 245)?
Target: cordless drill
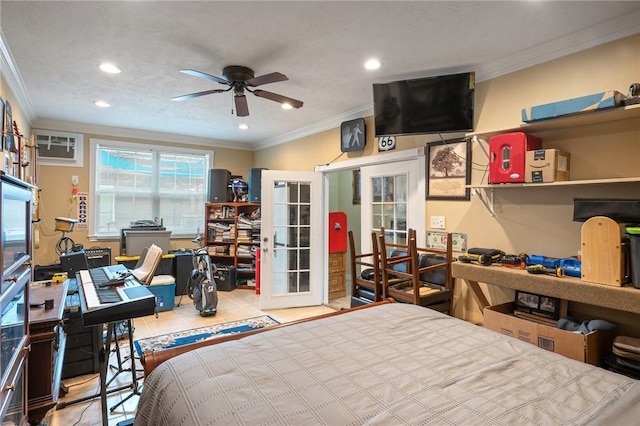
(541, 269)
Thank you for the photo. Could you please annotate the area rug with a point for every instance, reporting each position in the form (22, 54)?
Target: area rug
(179, 338)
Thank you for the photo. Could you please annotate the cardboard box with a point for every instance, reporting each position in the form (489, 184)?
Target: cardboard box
(596, 101)
(546, 165)
(165, 296)
(587, 348)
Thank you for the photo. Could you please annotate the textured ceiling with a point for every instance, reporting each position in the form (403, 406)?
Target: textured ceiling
(321, 46)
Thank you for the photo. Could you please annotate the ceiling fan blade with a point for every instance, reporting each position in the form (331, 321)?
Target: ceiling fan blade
(198, 94)
(242, 108)
(274, 77)
(205, 76)
(278, 98)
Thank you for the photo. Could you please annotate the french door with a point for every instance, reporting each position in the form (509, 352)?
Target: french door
(291, 239)
(392, 197)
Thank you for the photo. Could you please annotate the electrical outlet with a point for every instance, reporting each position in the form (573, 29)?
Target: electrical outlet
(437, 222)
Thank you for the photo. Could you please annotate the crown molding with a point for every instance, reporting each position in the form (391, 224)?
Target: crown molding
(128, 134)
(332, 123)
(604, 32)
(611, 30)
(12, 77)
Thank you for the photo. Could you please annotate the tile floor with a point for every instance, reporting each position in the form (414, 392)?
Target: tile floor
(234, 305)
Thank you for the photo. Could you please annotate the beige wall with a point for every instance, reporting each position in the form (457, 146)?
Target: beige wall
(55, 194)
(530, 220)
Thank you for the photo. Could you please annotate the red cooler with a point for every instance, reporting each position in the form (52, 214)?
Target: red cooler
(507, 156)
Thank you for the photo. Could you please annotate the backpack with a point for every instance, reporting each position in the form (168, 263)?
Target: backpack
(202, 288)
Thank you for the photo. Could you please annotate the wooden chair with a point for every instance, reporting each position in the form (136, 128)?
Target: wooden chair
(365, 290)
(395, 261)
(421, 276)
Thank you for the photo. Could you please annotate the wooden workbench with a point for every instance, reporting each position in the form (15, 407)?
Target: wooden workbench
(625, 299)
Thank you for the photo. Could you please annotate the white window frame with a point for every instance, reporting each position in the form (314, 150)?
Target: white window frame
(94, 143)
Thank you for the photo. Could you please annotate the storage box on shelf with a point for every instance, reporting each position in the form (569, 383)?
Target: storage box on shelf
(233, 237)
(546, 165)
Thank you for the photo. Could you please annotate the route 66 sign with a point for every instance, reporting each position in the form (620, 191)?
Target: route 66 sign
(386, 143)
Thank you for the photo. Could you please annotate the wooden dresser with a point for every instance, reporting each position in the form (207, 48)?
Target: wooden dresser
(48, 342)
(337, 275)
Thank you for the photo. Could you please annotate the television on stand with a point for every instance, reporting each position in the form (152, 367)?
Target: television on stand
(440, 104)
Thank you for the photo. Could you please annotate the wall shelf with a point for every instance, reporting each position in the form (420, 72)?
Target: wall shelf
(631, 112)
(560, 183)
(569, 121)
(626, 299)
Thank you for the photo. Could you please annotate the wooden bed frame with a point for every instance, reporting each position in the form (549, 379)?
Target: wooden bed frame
(151, 359)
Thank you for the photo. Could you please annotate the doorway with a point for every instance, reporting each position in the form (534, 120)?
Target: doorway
(403, 168)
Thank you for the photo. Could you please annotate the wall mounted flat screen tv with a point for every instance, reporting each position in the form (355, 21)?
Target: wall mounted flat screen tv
(425, 105)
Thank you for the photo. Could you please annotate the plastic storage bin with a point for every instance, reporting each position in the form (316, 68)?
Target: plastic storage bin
(164, 292)
(136, 241)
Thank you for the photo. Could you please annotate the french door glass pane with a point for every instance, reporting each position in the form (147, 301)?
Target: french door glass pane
(389, 206)
(292, 212)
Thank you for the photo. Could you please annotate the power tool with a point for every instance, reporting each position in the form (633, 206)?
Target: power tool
(541, 269)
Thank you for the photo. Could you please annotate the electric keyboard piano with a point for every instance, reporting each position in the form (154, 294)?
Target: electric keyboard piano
(111, 293)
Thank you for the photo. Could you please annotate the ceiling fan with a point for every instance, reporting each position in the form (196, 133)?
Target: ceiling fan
(239, 79)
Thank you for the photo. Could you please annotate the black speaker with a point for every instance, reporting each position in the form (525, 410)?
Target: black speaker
(98, 256)
(255, 184)
(74, 262)
(225, 277)
(46, 272)
(219, 190)
(183, 265)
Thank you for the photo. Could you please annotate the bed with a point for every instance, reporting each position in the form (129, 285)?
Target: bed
(388, 364)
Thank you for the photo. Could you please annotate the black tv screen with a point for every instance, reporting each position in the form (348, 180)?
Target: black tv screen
(424, 105)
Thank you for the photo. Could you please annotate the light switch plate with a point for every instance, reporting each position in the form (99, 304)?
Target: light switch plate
(437, 222)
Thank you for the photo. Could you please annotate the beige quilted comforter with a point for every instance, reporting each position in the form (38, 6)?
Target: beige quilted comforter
(388, 365)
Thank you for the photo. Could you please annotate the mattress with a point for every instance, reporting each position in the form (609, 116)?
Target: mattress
(388, 365)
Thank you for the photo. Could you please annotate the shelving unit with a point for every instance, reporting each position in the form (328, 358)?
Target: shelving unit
(233, 237)
(607, 116)
(15, 252)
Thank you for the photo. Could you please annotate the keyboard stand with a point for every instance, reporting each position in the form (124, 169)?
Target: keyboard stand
(103, 365)
(136, 389)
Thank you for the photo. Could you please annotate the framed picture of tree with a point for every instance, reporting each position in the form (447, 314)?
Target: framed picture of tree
(448, 169)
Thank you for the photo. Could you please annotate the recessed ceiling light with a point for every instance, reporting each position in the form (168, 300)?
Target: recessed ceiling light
(372, 64)
(110, 68)
(102, 104)
(287, 106)
(243, 126)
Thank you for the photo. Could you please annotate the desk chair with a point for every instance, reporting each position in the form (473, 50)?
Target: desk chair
(146, 267)
(366, 279)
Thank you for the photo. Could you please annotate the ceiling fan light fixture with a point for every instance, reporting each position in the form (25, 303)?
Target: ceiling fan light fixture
(372, 64)
(102, 104)
(243, 126)
(240, 79)
(110, 68)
